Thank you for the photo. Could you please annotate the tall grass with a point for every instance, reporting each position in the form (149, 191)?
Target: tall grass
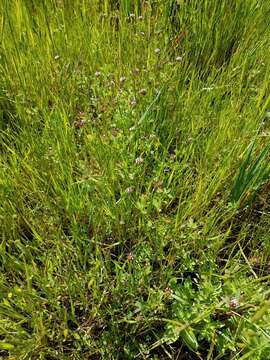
(134, 205)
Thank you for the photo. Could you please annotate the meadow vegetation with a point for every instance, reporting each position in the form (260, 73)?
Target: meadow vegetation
(134, 179)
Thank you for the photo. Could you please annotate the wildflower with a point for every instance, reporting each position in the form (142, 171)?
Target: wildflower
(233, 303)
(136, 71)
(157, 185)
(139, 317)
(157, 51)
(97, 73)
(130, 256)
(122, 80)
(139, 160)
(132, 15)
(129, 190)
(57, 57)
(168, 291)
(133, 102)
(143, 92)
(254, 260)
(140, 17)
(115, 131)
(80, 123)
(81, 119)
(121, 222)
(179, 58)
(142, 33)
(133, 128)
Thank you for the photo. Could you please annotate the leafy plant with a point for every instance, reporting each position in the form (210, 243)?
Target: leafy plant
(251, 175)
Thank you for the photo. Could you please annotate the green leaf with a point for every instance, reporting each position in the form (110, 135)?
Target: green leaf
(6, 346)
(189, 339)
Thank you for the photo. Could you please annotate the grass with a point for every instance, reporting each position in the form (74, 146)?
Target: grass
(134, 180)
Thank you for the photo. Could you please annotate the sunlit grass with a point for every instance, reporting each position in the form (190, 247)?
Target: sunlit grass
(134, 180)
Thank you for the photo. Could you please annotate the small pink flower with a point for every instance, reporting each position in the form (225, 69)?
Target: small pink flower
(168, 291)
(130, 256)
(143, 92)
(130, 190)
(139, 160)
(254, 260)
(139, 317)
(136, 71)
(133, 102)
(234, 303)
(122, 79)
(80, 123)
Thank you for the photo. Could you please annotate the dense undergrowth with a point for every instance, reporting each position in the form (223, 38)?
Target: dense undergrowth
(134, 179)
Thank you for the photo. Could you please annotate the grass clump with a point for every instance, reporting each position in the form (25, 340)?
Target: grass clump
(134, 180)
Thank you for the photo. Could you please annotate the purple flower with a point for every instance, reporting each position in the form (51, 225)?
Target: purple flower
(234, 303)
